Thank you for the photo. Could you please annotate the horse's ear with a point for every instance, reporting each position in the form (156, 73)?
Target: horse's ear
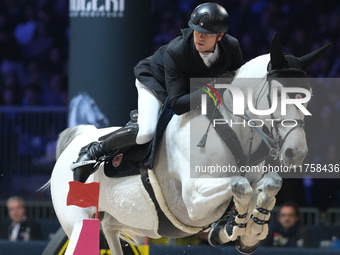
(277, 58)
(309, 59)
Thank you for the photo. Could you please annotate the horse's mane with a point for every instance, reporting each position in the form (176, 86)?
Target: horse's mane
(66, 137)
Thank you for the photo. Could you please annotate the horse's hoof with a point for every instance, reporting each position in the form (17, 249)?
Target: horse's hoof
(214, 234)
(245, 249)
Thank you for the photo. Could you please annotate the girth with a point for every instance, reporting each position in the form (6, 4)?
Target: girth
(165, 227)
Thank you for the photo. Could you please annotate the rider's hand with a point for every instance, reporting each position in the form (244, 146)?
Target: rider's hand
(196, 98)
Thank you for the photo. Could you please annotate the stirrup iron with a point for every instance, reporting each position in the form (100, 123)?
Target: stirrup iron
(75, 165)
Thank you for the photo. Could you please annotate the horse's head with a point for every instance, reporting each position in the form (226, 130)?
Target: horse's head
(288, 71)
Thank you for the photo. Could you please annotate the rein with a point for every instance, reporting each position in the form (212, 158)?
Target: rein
(267, 139)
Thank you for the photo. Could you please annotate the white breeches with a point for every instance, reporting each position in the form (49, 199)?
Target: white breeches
(148, 109)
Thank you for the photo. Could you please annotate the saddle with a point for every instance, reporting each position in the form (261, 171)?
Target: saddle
(140, 156)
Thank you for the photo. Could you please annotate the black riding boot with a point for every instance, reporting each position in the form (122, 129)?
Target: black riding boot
(118, 141)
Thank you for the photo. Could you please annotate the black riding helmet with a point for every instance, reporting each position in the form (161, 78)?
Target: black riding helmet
(209, 18)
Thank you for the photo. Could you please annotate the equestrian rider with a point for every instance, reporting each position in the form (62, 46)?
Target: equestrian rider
(203, 50)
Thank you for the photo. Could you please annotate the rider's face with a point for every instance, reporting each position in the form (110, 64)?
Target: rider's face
(205, 43)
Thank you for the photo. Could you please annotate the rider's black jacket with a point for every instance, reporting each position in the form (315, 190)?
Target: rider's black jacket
(168, 71)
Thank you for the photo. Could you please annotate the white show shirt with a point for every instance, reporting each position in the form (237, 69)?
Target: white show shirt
(210, 58)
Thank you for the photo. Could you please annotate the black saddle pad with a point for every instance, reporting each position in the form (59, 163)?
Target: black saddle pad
(131, 163)
(126, 168)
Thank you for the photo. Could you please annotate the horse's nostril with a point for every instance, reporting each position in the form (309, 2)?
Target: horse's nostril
(289, 153)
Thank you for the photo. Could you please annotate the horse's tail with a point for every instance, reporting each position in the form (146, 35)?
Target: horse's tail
(66, 137)
(46, 186)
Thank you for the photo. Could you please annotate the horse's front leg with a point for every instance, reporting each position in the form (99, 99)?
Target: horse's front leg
(232, 225)
(257, 226)
(214, 195)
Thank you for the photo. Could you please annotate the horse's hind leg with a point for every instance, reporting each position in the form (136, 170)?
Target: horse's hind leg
(257, 226)
(113, 241)
(112, 235)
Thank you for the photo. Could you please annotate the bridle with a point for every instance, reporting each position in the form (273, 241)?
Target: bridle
(273, 139)
(278, 140)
